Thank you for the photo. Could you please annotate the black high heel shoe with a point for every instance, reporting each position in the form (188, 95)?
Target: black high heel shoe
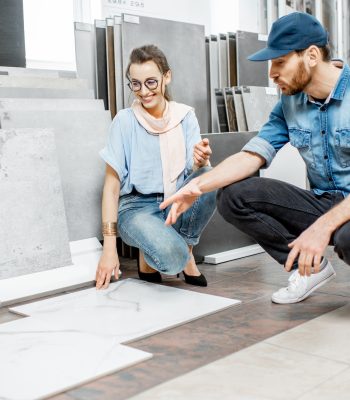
(195, 280)
(154, 277)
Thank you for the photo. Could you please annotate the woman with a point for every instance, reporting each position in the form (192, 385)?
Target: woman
(152, 150)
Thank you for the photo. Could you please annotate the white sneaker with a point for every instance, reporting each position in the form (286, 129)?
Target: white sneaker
(300, 287)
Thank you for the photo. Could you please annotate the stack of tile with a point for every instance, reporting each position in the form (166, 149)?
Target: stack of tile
(51, 175)
(229, 67)
(103, 50)
(244, 108)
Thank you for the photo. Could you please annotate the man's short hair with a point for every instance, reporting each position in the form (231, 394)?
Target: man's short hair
(325, 51)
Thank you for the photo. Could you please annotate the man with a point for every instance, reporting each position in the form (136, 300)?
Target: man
(293, 225)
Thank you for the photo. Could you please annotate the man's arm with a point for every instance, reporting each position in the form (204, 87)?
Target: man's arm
(312, 243)
(232, 169)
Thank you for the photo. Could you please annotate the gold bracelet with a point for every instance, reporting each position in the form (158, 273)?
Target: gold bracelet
(109, 228)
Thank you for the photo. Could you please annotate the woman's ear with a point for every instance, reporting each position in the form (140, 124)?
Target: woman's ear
(167, 77)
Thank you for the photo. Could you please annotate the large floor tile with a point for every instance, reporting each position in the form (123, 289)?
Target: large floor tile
(333, 388)
(325, 336)
(128, 310)
(261, 371)
(38, 360)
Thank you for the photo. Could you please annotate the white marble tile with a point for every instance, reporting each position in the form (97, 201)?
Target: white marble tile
(85, 256)
(325, 336)
(38, 360)
(259, 372)
(129, 309)
(33, 234)
(50, 104)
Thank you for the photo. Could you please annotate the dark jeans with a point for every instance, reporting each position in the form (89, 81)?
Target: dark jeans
(274, 213)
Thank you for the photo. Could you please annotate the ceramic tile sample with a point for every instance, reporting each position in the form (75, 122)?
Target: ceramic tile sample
(12, 43)
(214, 81)
(258, 104)
(230, 110)
(129, 309)
(250, 72)
(30, 93)
(47, 360)
(79, 136)
(223, 61)
(118, 63)
(33, 235)
(42, 82)
(50, 104)
(84, 39)
(259, 372)
(232, 58)
(173, 38)
(85, 257)
(110, 66)
(239, 109)
(101, 61)
(221, 107)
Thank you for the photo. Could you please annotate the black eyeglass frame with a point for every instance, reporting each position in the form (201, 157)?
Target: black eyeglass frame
(130, 84)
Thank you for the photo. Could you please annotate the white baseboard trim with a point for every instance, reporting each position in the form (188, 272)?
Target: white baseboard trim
(85, 256)
(233, 254)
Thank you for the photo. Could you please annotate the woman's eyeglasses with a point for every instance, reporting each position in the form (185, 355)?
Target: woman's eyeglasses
(150, 84)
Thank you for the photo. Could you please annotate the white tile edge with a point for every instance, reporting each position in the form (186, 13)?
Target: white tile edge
(233, 254)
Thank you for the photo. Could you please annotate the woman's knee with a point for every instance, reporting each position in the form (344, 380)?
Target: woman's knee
(168, 258)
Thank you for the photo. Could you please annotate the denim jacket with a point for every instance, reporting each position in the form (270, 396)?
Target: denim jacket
(320, 132)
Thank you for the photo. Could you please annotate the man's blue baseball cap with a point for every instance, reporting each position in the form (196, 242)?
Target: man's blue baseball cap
(295, 31)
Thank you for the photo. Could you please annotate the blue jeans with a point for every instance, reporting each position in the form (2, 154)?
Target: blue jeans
(141, 225)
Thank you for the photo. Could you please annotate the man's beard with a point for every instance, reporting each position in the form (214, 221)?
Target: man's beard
(299, 81)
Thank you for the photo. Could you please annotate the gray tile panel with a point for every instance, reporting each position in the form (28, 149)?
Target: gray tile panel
(214, 80)
(84, 36)
(79, 136)
(239, 109)
(101, 61)
(15, 92)
(118, 62)
(230, 110)
(219, 235)
(223, 61)
(258, 104)
(250, 72)
(221, 107)
(232, 58)
(12, 43)
(207, 59)
(33, 233)
(110, 66)
(184, 46)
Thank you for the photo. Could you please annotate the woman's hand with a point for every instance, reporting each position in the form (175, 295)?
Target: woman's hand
(108, 263)
(202, 153)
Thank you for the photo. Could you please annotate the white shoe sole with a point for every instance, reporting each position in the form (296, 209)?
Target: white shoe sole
(307, 294)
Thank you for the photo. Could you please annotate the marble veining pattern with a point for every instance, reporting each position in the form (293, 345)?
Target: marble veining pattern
(129, 309)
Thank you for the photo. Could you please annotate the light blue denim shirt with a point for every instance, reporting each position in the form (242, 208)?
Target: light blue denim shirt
(135, 154)
(320, 132)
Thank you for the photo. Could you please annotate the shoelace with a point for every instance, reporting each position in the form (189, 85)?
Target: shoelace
(295, 280)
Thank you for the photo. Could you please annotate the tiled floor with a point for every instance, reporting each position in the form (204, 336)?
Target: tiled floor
(188, 349)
